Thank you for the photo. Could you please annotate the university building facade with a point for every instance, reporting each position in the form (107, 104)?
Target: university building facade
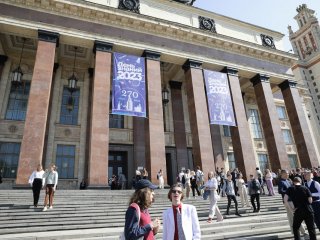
(46, 118)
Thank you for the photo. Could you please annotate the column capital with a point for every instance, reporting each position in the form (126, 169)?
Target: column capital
(190, 63)
(91, 71)
(3, 59)
(230, 71)
(47, 36)
(287, 84)
(151, 55)
(175, 85)
(259, 78)
(102, 46)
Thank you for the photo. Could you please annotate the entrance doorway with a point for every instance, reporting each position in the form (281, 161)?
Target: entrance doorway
(117, 163)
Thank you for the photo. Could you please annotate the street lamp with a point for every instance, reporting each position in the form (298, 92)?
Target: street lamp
(72, 84)
(17, 73)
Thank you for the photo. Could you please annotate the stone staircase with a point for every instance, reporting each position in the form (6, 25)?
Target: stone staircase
(99, 214)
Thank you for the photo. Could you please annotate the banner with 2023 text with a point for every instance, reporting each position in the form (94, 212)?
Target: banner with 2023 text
(219, 98)
(128, 85)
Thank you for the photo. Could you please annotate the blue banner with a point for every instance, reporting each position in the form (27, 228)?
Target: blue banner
(219, 98)
(128, 85)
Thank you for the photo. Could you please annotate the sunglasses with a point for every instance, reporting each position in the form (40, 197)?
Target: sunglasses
(176, 191)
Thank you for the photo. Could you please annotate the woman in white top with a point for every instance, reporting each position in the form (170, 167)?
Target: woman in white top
(242, 190)
(160, 179)
(212, 185)
(187, 184)
(269, 179)
(51, 181)
(37, 182)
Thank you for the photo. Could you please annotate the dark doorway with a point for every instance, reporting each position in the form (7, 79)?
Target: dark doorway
(117, 163)
(170, 177)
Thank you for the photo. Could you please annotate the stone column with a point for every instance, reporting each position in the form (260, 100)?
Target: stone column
(99, 128)
(217, 146)
(3, 60)
(299, 125)
(270, 122)
(240, 135)
(155, 143)
(179, 125)
(32, 145)
(199, 118)
(139, 153)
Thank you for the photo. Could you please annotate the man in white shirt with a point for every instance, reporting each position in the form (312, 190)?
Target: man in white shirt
(314, 188)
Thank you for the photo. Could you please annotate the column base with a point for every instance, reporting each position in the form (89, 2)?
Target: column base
(21, 186)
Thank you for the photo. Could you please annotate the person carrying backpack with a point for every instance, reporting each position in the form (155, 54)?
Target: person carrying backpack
(254, 192)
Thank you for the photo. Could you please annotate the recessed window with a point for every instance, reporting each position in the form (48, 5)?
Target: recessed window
(293, 160)
(316, 90)
(310, 71)
(263, 162)
(312, 77)
(116, 121)
(281, 112)
(226, 131)
(314, 84)
(18, 102)
(231, 161)
(255, 123)
(65, 159)
(287, 136)
(9, 158)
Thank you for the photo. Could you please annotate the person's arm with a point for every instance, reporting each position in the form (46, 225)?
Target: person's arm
(196, 232)
(31, 178)
(286, 202)
(317, 186)
(55, 181)
(132, 228)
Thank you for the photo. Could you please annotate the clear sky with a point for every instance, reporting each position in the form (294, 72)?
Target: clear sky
(271, 14)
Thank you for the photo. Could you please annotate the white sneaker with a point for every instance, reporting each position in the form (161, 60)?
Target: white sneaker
(44, 209)
(50, 207)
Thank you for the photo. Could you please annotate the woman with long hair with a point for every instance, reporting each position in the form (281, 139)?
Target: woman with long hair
(212, 185)
(242, 190)
(37, 182)
(138, 224)
(51, 180)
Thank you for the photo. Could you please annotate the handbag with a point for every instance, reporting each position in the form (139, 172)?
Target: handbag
(136, 206)
(206, 194)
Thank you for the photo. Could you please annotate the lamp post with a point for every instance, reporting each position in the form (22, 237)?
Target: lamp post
(17, 73)
(72, 83)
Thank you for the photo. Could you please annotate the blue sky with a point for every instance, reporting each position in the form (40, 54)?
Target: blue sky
(271, 14)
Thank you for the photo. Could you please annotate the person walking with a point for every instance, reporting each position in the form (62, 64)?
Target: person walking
(254, 192)
(194, 186)
(260, 179)
(187, 184)
(122, 181)
(51, 181)
(229, 189)
(181, 220)
(302, 200)
(160, 179)
(283, 185)
(242, 190)
(314, 188)
(37, 183)
(212, 185)
(138, 222)
(269, 182)
(199, 177)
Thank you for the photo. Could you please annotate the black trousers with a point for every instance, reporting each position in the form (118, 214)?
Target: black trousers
(306, 216)
(36, 188)
(257, 198)
(234, 199)
(193, 188)
(316, 211)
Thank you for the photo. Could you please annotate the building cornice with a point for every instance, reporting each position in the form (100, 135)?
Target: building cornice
(303, 30)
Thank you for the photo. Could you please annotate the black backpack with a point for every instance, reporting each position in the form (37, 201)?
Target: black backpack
(255, 185)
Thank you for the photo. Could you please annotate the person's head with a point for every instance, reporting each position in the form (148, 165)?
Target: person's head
(192, 173)
(284, 174)
(175, 194)
(52, 167)
(210, 175)
(298, 170)
(198, 167)
(267, 171)
(308, 175)
(39, 167)
(251, 176)
(144, 194)
(188, 171)
(160, 170)
(240, 176)
(297, 181)
(229, 176)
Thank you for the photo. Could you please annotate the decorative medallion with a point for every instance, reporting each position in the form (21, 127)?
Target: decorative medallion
(130, 5)
(67, 132)
(267, 41)
(13, 128)
(188, 2)
(207, 24)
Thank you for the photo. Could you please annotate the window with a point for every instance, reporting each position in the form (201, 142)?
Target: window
(263, 162)
(18, 102)
(316, 90)
(310, 71)
(65, 160)
(226, 131)
(314, 84)
(69, 117)
(318, 96)
(293, 160)
(9, 158)
(287, 136)
(116, 121)
(312, 77)
(255, 123)
(231, 160)
(281, 112)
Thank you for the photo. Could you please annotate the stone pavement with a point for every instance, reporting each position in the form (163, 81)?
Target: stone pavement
(99, 214)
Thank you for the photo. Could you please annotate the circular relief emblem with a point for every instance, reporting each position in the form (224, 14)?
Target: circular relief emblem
(207, 24)
(67, 132)
(13, 128)
(129, 4)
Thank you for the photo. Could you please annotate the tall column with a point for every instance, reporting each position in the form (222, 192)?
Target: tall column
(139, 153)
(217, 146)
(299, 125)
(3, 60)
(179, 125)
(99, 128)
(198, 115)
(32, 145)
(155, 143)
(240, 135)
(270, 122)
